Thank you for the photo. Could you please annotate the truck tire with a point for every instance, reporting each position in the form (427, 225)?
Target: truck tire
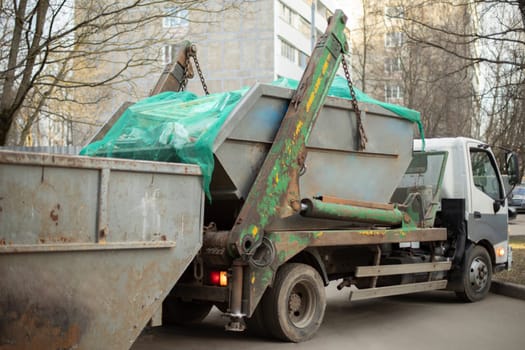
(256, 324)
(294, 306)
(176, 312)
(477, 275)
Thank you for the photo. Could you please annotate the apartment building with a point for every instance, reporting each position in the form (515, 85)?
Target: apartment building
(392, 61)
(261, 41)
(256, 41)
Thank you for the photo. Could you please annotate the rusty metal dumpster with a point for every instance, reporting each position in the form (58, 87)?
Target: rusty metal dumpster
(90, 247)
(334, 165)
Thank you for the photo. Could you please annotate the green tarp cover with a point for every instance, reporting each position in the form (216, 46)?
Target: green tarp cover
(170, 127)
(340, 88)
(181, 127)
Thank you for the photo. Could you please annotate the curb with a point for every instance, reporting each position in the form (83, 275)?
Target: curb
(512, 290)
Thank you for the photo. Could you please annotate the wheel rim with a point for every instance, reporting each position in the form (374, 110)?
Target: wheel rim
(478, 274)
(301, 305)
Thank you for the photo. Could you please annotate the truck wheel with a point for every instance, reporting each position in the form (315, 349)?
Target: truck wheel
(294, 307)
(256, 324)
(477, 275)
(178, 312)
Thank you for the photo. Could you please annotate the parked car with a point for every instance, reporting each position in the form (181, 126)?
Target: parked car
(518, 199)
(513, 213)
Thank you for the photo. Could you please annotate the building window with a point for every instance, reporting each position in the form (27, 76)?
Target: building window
(288, 51)
(393, 92)
(293, 54)
(286, 13)
(394, 39)
(392, 65)
(394, 12)
(322, 10)
(303, 59)
(175, 17)
(294, 19)
(168, 54)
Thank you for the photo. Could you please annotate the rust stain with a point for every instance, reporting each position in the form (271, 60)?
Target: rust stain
(37, 327)
(54, 213)
(102, 235)
(55, 239)
(3, 242)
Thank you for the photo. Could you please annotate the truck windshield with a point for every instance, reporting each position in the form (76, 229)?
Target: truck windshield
(424, 175)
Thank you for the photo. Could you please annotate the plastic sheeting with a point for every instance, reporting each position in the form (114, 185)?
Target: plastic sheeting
(169, 127)
(181, 127)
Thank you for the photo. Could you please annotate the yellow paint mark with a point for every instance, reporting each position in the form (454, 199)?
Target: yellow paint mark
(325, 67)
(253, 279)
(298, 128)
(372, 233)
(276, 178)
(318, 234)
(255, 230)
(317, 84)
(312, 95)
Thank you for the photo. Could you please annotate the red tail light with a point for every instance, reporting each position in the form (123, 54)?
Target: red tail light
(219, 278)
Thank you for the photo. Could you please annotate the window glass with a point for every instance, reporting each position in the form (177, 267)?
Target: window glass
(393, 91)
(168, 53)
(175, 17)
(484, 173)
(394, 39)
(392, 64)
(293, 54)
(394, 12)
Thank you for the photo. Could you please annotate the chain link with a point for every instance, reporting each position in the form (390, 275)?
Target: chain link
(185, 76)
(362, 139)
(201, 76)
(199, 71)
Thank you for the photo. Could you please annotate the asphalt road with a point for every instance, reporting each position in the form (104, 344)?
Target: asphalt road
(434, 320)
(517, 226)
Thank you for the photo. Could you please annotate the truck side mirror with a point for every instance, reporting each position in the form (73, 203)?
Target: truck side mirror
(512, 168)
(496, 206)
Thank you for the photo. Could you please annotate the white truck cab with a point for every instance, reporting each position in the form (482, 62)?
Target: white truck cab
(472, 184)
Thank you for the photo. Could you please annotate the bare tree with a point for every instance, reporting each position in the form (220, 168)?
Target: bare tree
(401, 70)
(365, 44)
(497, 42)
(48, 49)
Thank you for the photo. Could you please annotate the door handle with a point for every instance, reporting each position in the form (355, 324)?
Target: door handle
(477, 215)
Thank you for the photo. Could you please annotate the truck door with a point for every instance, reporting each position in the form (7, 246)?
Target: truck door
(488, 215)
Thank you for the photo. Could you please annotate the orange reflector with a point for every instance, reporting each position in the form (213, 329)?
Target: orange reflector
(219, 278)
(500, 251)
(223, 280)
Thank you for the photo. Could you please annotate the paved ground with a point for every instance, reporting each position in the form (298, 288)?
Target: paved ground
(517, 226)
(435, 320)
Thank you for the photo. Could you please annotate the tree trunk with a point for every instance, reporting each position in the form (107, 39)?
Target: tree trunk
(5, 125)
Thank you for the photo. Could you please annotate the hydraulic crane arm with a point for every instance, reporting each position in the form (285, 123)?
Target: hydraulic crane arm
(275, 192)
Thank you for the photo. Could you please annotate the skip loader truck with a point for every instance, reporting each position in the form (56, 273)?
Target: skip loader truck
(304, 189)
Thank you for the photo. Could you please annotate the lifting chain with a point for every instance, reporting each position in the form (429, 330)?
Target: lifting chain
(193, 54)
(362, 139)
(185, 77)
(201, 76)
